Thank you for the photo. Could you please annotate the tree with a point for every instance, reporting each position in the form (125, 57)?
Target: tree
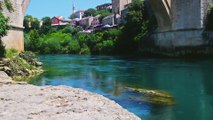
(33, 40)
(90, 12)
(46, 25)
(71, 30)
(138, 24)
(209, 25)
(31, 23)
(103, 14)
(72, 16)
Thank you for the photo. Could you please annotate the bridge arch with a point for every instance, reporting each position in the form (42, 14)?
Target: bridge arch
(163, 13)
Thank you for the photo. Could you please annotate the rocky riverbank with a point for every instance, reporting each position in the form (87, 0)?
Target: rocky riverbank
(20, 66)
(21, 101)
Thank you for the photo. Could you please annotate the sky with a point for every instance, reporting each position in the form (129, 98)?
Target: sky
(51, 8)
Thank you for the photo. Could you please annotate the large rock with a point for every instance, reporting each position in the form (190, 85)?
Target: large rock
(22, 102)
(153, 96)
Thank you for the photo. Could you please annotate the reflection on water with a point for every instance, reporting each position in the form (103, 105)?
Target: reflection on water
(190, 82)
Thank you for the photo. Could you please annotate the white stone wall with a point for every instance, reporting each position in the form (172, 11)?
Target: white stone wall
(14, 39)
(180, 14)
(182, 38)
(16, 17)
(109, 20)
(204, 10)
(186, 14)
(119, 5)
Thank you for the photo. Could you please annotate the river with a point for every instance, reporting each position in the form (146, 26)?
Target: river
(189, 81)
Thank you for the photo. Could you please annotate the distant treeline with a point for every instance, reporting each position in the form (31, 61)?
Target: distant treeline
(68, 40)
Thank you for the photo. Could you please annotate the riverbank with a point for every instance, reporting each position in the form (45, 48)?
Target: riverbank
(20, 100)
(20, 66)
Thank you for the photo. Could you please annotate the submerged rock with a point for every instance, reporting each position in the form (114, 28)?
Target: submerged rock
(153, 96)
(151, 93)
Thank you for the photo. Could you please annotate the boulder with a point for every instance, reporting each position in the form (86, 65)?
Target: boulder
(1, 68)
(38, 63)
(7, 70)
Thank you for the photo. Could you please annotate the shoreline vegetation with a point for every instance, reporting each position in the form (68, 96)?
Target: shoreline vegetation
(20, 66)
(122, 40)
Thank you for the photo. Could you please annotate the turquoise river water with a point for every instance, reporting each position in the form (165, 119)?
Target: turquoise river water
(189, 81)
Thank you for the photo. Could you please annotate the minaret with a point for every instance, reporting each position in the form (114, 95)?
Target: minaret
(73, 6)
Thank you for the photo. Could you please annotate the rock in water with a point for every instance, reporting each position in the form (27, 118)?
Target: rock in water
(39, 63)
(153, 96)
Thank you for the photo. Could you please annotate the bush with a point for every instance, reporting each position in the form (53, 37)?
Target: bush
(50, 44)
(3, 31)
(10, 53)
(33, 41)
(106, 47)
(74, 47)
(70, 30)
(138, 24)
(84, 49)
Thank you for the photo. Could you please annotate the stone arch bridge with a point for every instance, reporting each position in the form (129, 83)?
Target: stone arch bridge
(15, 37)
(182, 19)
(180, 22)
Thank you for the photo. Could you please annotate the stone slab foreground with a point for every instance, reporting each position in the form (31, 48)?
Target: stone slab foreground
(21, 101)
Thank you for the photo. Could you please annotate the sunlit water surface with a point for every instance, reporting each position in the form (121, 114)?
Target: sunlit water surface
(189, 81)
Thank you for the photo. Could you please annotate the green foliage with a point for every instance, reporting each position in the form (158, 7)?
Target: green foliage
(23, 64)
(90, 12)
(209, 25)
(138, 24)
(10, 53)
(31, 23)
(3, 31)
(68, 40)
(4, 27)
(7, 4)
(105, 47)
(51, 43)
(103, 14)
(30, 57)
(70, 30)
(74, 47)
(58, 43)
(84, 49)
(46, 26)
(33, 40)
